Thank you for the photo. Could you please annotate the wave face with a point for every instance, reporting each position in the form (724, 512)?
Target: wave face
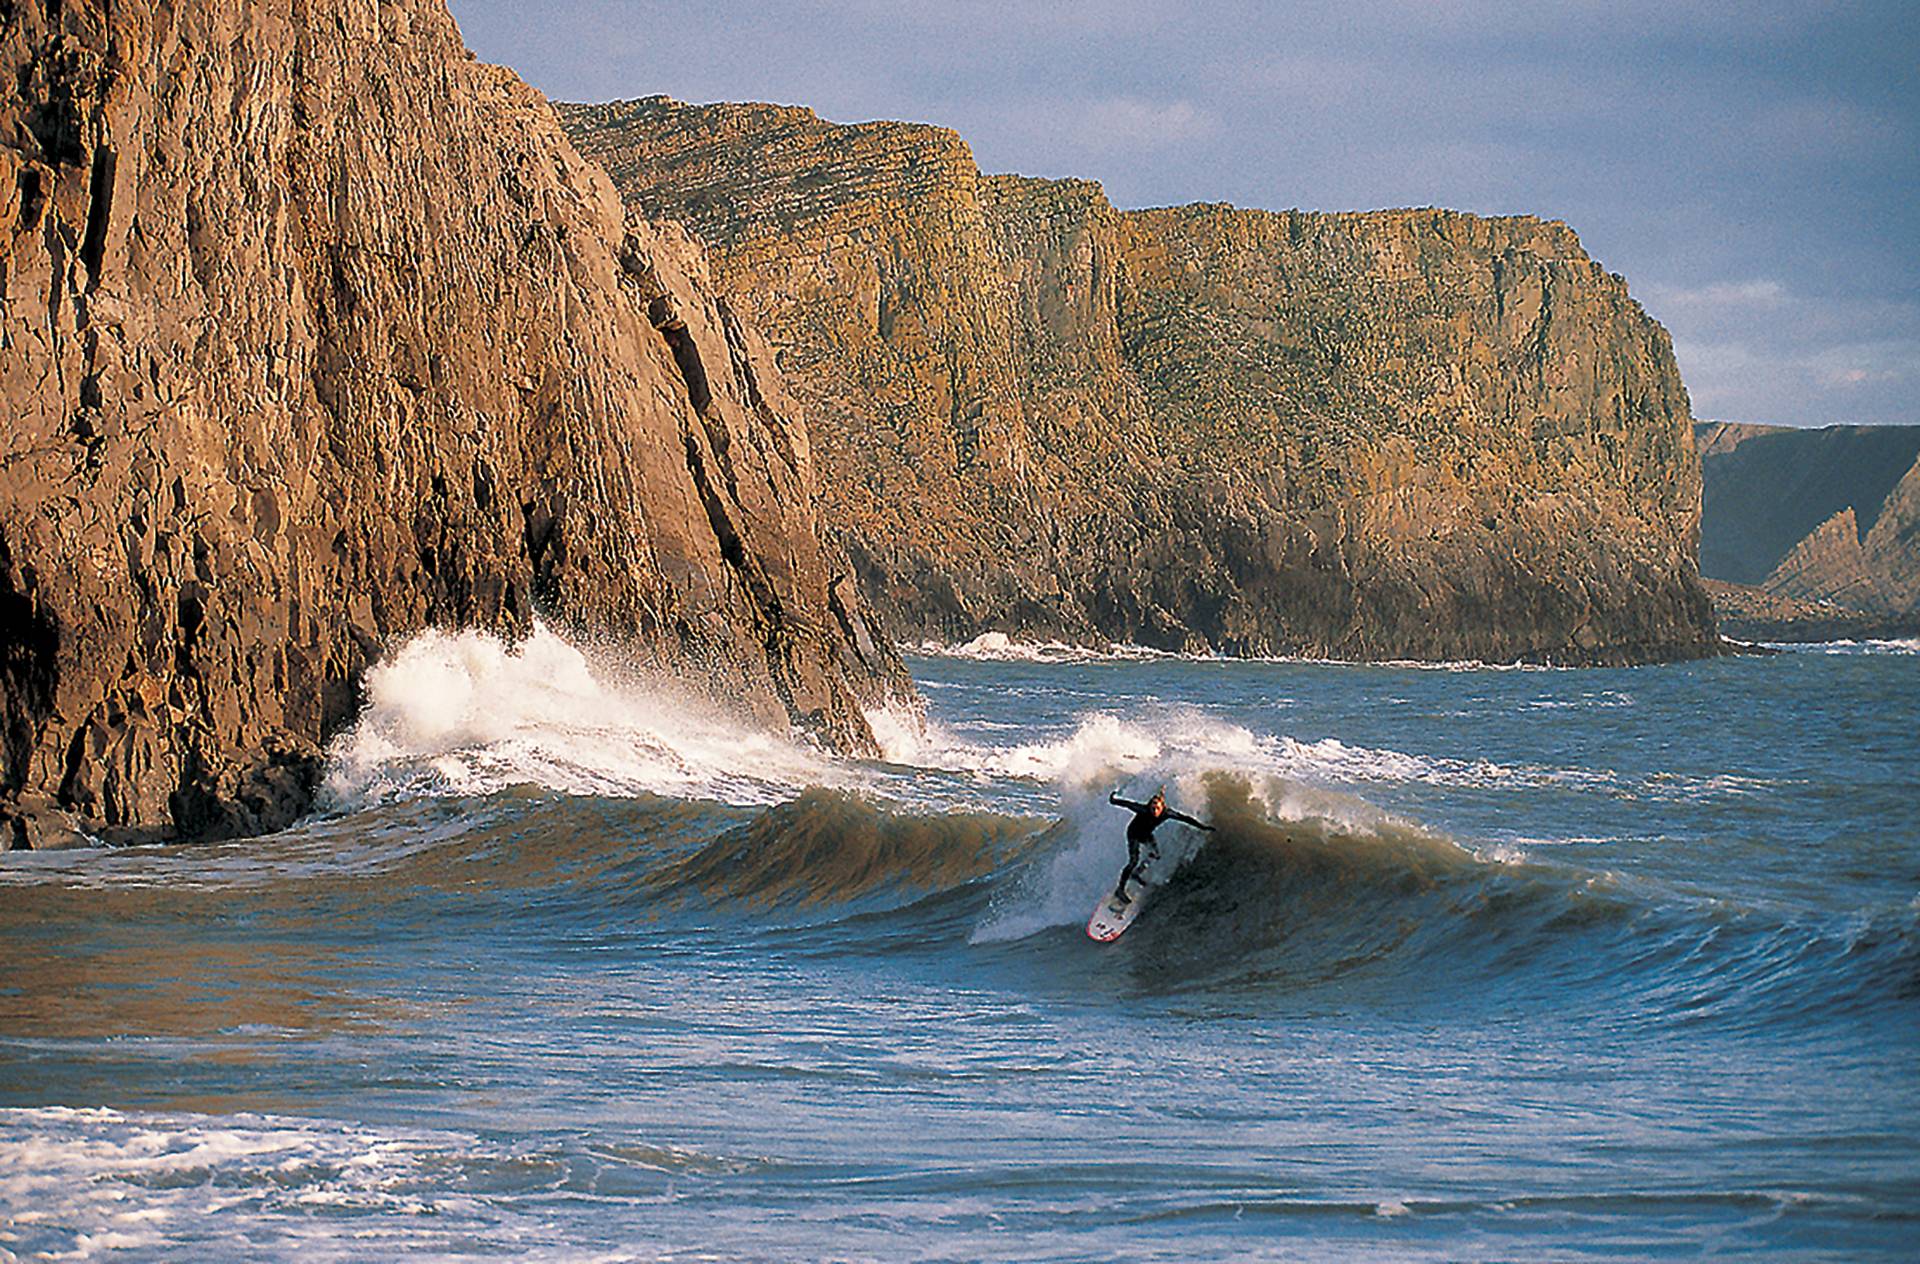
(573, 963)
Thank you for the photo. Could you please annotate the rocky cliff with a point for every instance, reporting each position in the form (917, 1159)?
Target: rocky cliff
(315, 332)
(1829, 515)
(1400, 434)
(1749, 613)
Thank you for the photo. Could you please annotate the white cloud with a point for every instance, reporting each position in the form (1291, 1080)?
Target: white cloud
(1095, 127)
(1134, 123)
(1863, 364)
(1763, 293)
(1757, 350)
(988, 19)
(1748, 379)
(1825, 129)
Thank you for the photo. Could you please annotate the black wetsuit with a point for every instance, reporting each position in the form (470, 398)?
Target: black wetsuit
(1140, 833)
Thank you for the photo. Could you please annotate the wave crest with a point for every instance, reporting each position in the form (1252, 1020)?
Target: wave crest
(467, 714)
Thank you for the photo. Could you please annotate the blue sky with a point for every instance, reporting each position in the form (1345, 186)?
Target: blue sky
(1751, 168)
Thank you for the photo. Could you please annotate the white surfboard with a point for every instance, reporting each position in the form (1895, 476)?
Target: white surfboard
(1111, 919)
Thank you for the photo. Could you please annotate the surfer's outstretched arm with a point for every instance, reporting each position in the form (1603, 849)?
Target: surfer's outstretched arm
(1182, 816)
(1115, 799)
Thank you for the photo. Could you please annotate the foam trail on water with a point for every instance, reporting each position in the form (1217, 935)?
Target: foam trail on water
(98, 1182)
(1102, 743)
(466, 713)
(1891, 645)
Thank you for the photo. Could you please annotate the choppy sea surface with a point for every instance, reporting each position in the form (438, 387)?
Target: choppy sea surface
(1479, 964)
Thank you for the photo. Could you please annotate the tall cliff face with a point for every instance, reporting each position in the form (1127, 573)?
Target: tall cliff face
(314, 332)
(1828, 515)
(1408, 433)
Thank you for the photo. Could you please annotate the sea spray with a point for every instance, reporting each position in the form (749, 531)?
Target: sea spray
(466, 713)
(1091, 837)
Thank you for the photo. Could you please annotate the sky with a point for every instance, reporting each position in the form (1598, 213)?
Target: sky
(1751, 167)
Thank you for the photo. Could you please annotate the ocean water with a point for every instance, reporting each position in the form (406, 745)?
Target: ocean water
(1479, 964)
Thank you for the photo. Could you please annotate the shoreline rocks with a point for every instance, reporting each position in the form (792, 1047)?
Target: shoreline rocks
(1751, 614)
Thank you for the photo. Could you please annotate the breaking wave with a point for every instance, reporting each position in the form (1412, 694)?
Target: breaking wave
(1300, 893)
(1103, 743)
(564, 787)
(466, 713)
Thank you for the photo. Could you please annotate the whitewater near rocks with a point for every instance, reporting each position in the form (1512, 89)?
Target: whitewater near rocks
(1482, 963)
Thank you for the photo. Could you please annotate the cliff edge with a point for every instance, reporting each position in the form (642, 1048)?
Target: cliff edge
(1400, 434)
(315, 332)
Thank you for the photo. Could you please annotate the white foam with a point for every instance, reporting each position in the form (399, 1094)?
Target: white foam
(906, 736)
(1605, 699)
(1092, 851)
(82, 1183)
(465, 713)
(1104, 753)
(1088, 860)
(1105, 745)
(1889, 645)
(1100, 746)
(998, 647)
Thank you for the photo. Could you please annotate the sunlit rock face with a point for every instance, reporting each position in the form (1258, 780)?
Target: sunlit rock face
(1399, 434)
(314, 332)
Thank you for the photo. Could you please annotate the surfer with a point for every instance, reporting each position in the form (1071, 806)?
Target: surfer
(1146, 818)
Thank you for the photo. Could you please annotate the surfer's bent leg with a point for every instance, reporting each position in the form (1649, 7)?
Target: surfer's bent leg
(1133, 863)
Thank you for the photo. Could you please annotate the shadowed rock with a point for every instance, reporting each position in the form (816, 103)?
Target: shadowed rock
(1829, 515)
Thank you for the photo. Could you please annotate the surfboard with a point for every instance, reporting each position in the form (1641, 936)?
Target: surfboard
(1111, 919)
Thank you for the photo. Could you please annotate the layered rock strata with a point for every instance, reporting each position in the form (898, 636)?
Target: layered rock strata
(1828, 516)
(1401, 434)
(315, 332)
